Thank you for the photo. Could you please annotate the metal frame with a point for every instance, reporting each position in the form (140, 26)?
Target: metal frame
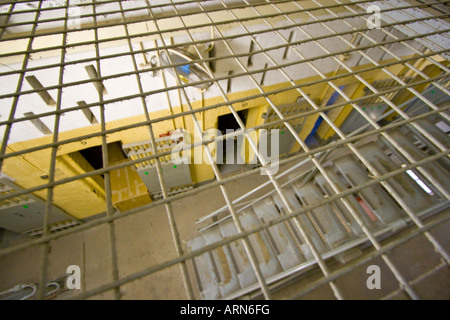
(306, 154)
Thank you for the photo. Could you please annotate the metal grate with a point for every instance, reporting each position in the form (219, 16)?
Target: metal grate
(109, 52)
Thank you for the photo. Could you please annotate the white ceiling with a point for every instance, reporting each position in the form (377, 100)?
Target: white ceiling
(125, 86)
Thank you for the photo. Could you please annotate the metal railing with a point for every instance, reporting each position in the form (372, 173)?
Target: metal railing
(350, 16)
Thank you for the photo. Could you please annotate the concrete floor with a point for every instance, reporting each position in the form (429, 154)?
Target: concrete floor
(412, 259)
(145, 239)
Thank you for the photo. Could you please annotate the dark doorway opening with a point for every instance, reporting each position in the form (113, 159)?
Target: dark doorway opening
(94, 155)
(232, 161)
(228, 121)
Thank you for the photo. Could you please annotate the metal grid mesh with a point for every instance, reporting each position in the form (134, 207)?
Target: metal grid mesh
(349, 15)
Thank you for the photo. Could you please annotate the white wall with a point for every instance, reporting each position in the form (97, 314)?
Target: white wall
(126, 86)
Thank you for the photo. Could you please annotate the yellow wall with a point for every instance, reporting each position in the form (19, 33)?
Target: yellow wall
(83, 198)
(355, 90)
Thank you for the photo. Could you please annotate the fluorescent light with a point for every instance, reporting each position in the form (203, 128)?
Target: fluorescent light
(419, 182)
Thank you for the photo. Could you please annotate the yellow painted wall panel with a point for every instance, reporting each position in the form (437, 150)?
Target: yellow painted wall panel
(75, 164)
(75, 197)
(127, 189)
(79, 201)
(78, 198)
(354, 89)
(338, 115)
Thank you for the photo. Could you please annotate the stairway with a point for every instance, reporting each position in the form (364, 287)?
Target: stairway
(280, 250)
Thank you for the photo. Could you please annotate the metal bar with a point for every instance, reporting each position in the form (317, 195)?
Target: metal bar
(245, 241)
(93, 72)
(246, 233)
(252, 202)
(254, 12)
(80, 138)
(18, 88)
(214, 213)
(218, 78)
(125, 11)
(303, 155)
(421, 277)
(219, 38)
(37, 86)
(101, 221)
(368, 165)
(435, 44)
(163, 78)
(213, 59)
(396, 196)
(87, 112)
(45, 249)
(168, 207)
(303, 232)
(41, 126)
(394, 270)
(191, 192)
(200, 25)
(386, 249)
(4, 20)
(374, 171)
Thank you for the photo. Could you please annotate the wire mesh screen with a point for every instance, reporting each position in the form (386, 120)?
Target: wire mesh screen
(223, 149)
